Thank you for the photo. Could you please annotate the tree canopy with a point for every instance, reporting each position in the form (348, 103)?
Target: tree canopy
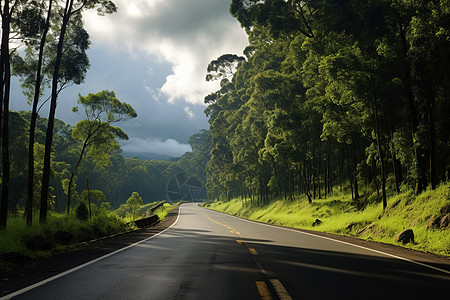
(345, 93)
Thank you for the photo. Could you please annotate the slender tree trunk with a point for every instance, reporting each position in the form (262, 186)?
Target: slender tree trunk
(37, 91)
(72, 175)
(419, 159)
(5, 94)
(375, 181)
(350, 173)
(381, 156)
(355, 177)
(433, 174)
(341, 169)
(319, 162)
(88, 193)
(51, 117)
(313, 173)
(394, 157)
(306, 176)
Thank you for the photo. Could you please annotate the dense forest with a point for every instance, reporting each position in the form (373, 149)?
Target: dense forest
(331, 95)
(114, 179)
(350, 95)
(49, 166)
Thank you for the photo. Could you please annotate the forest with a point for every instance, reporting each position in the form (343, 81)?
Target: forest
(332, 95)
(48, 166)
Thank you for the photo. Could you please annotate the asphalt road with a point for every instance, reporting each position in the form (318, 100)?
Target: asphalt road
(209, 255)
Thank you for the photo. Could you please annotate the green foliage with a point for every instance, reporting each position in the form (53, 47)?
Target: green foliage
(340, 215)
(134, 203)
(163, 210)
(61, 232)
(333, 93)
(82, 212)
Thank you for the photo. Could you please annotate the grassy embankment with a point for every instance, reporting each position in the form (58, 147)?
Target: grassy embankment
(339, 214)
(62, 233)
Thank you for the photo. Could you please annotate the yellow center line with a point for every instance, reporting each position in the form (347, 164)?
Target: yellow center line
(263, 290)
(253, 251)
(281, 291)
(231, 229)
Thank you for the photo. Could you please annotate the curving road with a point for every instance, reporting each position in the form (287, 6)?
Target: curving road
(209, 255)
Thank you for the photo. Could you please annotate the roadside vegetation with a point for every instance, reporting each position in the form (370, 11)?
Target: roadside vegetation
(335, 117)
(64, 232)
(364, 219)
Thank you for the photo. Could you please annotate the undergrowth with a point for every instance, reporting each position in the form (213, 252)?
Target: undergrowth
(64, 232)
(365, 218)
(60, 232)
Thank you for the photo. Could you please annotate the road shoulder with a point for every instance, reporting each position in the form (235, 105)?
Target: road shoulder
(16, 277)
(434, 260)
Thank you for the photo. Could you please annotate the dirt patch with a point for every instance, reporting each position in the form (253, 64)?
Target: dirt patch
(18, 275)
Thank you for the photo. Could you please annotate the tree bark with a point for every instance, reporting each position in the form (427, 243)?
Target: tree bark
(419, 159)
(5, 94)
(355, 177)
(32, 131)
(381, 156)
(51, 117)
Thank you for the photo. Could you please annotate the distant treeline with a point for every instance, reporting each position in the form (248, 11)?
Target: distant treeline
(117, 179)
(332, 94)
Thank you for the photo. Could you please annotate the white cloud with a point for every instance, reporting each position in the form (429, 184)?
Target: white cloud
(189, 112)
(169, 147)
(187, 34)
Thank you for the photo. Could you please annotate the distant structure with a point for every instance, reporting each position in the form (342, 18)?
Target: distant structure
(183, 187)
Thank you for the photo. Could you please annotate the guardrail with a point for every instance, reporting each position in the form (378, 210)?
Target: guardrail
(146, 222)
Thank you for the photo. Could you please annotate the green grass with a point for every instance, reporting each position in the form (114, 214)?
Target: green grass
(163, 210)
(337, 212)
(63, 233)
(60, 232)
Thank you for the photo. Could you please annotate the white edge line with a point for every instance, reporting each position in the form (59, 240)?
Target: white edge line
(342, 242)
(29, 288)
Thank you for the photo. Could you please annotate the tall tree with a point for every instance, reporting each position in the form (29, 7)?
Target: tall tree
(71, 9)
(96, 133)
(6, 11)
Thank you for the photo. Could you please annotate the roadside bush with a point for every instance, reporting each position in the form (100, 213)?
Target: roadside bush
(60, 232)
(82, 212)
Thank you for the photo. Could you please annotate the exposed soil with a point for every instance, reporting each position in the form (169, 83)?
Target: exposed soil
(18, 275)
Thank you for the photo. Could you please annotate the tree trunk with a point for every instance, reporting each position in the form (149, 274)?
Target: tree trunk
(419, 159)
(381, 156)
(394, 158)
(37, 91)
(374, 174)
(51, 116)
(313, 173)
(5, 94)
(307, 182)
(349, 170)
(341, 169)
(433, 174)
(72, 175)
(355, 177)
(88, 193)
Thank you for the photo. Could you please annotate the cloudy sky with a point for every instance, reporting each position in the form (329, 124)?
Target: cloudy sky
(154, 54)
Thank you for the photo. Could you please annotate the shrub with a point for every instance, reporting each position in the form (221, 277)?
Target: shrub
(82, 212)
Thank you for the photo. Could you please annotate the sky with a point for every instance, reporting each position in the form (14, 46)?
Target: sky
(153, 54)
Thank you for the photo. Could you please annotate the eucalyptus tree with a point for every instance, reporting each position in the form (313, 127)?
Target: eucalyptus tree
(72, 9)
(5, 86)
(96, 132)
(9, 12)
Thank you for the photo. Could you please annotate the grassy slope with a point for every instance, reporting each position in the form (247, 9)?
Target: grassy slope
(337, 212)
(17, 235)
